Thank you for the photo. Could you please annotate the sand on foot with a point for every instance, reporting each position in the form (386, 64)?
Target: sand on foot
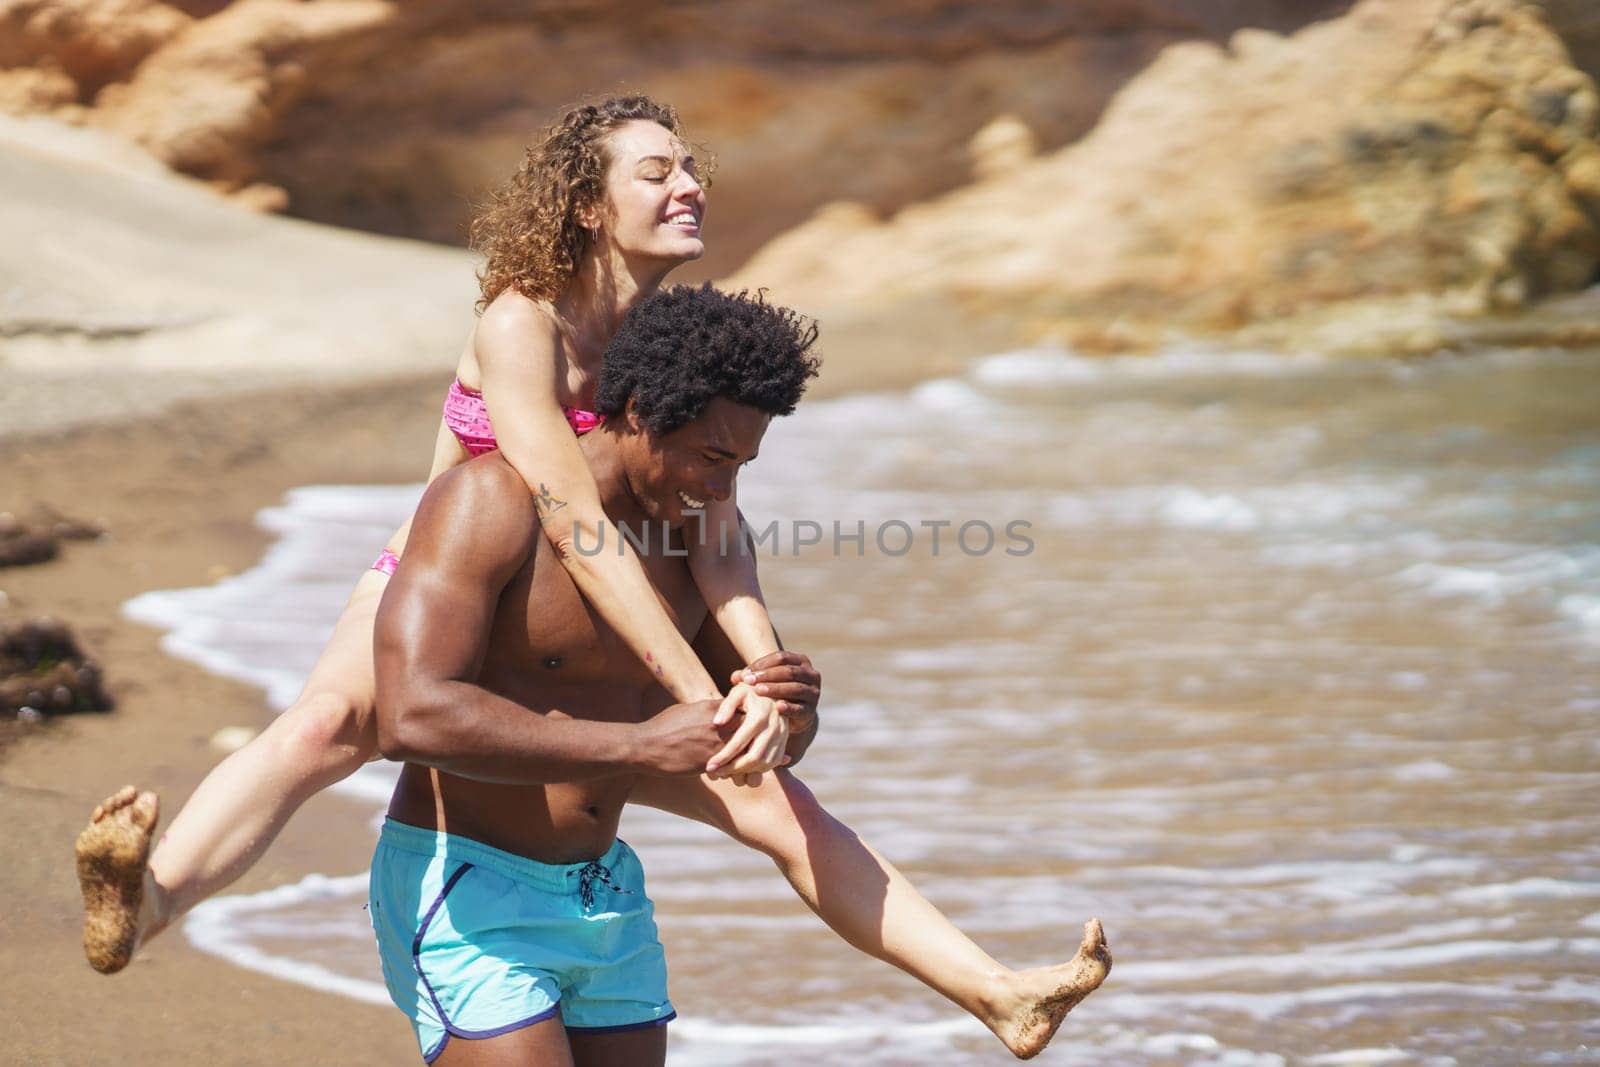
(112, 851)
(1052, 992)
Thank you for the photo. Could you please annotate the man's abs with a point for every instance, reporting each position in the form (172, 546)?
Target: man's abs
(560, 823)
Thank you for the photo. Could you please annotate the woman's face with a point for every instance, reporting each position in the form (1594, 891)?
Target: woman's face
(656, 204)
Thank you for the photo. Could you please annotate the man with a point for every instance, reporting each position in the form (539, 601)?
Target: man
(513, 925)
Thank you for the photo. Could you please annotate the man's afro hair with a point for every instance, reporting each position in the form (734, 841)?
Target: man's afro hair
(680, 348)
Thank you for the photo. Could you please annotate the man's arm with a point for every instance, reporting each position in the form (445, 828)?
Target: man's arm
(473, 531)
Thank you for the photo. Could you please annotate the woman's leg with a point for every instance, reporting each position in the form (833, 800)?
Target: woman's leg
(870, 904)
(238, 809)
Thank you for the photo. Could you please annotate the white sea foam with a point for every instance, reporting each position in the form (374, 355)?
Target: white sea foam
(1358, 875)
(1583, 609)
(1210, 511)
(221, 927)
(1428, 933)
(1350, 961)
(267, 625)
(1360, 1057)
(1515, 573)
(1430, 770)
(1168, 1044)
(1527, 889)
(1321, 506)
(825, 1032)
(1445, 581)
(948, 397)
(1034, 368)
(372, 781)
(1408, 681)
(1376, 997)
(193, 637)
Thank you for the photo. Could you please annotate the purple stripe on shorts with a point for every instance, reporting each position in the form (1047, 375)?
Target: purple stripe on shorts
(451, 1029)
(625, 1027)
(416, 957)
(478, 1035)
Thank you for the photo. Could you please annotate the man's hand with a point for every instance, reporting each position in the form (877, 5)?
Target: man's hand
(758, 744)
(790, 679)
(681, 739)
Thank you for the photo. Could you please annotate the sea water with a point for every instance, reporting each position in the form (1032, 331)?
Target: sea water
(1288, 669)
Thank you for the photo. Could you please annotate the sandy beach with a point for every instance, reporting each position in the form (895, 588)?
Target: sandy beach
(176, 495)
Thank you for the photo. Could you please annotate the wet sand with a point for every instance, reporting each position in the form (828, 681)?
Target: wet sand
(177, 494)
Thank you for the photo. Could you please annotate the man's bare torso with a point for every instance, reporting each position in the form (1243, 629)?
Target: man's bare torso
(549, 649)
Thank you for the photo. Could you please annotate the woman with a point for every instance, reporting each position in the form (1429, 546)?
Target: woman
(604, 207)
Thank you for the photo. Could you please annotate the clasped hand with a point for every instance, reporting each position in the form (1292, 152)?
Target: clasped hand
(778, 696)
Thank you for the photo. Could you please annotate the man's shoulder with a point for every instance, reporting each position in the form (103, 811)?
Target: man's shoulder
(491, 493)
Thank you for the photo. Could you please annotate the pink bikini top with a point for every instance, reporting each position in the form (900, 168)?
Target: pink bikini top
(468, 418)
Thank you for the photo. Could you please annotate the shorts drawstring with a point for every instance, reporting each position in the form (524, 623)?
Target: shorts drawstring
(592, 872)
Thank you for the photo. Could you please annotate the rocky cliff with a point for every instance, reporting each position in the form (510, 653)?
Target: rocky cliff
(1410, 146)
(1105, 169)
(395, 115)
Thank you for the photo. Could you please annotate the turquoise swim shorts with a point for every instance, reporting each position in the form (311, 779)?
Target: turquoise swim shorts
(477, 942)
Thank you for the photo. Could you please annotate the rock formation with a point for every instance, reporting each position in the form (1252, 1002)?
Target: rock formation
(1432, 146)
(1102, 170)
(395, 115)
(44, 672)
(24, 543)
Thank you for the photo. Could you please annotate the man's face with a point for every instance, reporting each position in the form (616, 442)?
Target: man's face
(695, 464)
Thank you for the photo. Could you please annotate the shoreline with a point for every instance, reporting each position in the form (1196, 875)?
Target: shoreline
(177, 493)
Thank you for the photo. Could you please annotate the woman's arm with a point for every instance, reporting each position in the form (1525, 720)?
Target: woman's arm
(739, 639)
(723, 563)
(729, 583)
(434, 629)
(522, 377)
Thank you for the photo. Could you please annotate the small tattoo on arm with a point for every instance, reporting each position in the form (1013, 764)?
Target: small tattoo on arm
(545, 503)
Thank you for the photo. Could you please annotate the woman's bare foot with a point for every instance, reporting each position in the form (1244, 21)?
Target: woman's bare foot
(1038, 1000)
(112, 851)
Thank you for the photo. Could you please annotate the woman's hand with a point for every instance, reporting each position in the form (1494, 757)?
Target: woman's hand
(759, 742)
(788, 678)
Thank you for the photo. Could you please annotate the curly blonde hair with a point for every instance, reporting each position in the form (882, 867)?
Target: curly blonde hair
(529, 231)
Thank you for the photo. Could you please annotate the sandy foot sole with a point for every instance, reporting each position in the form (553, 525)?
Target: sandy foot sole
(112, 851)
